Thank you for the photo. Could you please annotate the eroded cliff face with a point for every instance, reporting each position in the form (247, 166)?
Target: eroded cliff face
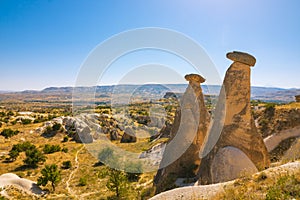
(273, 119)
(181, 156)
(280, 126)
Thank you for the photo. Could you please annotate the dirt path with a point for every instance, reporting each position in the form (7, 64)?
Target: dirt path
(72, 173)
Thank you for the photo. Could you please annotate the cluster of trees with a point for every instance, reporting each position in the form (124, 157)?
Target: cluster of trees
(33, 155)
(7, 133)
(50, 173)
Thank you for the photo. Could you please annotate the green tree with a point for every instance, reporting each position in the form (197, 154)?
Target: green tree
(34, 157)
(50, 174)
(117, 182)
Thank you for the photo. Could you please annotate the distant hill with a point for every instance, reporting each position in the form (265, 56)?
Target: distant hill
(149, 90)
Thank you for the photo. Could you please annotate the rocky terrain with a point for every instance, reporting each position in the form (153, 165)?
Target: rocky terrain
(205, 143)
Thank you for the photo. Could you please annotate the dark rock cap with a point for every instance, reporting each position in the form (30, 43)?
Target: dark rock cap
(194, 78)
(241, 57)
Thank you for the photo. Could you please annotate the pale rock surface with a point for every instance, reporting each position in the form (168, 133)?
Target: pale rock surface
(238, 129)
(181, 155)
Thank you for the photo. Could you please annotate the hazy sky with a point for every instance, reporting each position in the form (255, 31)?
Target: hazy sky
(44, 43)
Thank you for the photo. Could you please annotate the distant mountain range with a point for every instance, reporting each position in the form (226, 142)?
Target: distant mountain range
(149, 90)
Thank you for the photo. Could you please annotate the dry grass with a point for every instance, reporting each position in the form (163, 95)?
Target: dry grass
(261, 186)
(95, 188)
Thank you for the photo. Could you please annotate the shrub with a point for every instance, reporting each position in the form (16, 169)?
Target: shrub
(56, 127)
(66, 139)
(13, 155)
(17, 148)
(286, 187)
(262, 176)
(65, 150)
(66, 165)
(26, 121)
(48, 149)
(10, 113)
(82, 181)
(34, 157)
(7, 133)
(270, 110)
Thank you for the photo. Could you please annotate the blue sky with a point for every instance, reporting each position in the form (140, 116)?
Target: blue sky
(44, 43)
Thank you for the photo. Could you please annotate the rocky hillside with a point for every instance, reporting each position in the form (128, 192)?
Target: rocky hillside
(273, 119)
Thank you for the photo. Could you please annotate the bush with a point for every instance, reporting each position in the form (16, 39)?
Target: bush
(270, 110)
(66, 139)
(56, 127)
(48, 149)
(40, 119)
(17, 148)
(65, 150)
(82, 181)
(66, 165)
(286, 187)
(7, 133)
(262, 176)
(13, 155)
(10, 113)
(26, 121)
(34, 157)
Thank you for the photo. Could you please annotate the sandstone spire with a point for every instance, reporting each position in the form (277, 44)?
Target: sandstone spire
(181, 156)
(239, 148)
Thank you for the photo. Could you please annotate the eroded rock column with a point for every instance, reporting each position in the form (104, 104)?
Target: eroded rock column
(240, 149)
(181, 156)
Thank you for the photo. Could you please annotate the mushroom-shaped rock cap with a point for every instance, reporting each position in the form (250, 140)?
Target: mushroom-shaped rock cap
(194, 78)
(241, 57)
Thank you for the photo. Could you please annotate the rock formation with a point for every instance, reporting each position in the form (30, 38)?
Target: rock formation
(181, 155)
(239, 148)
(128, 136)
